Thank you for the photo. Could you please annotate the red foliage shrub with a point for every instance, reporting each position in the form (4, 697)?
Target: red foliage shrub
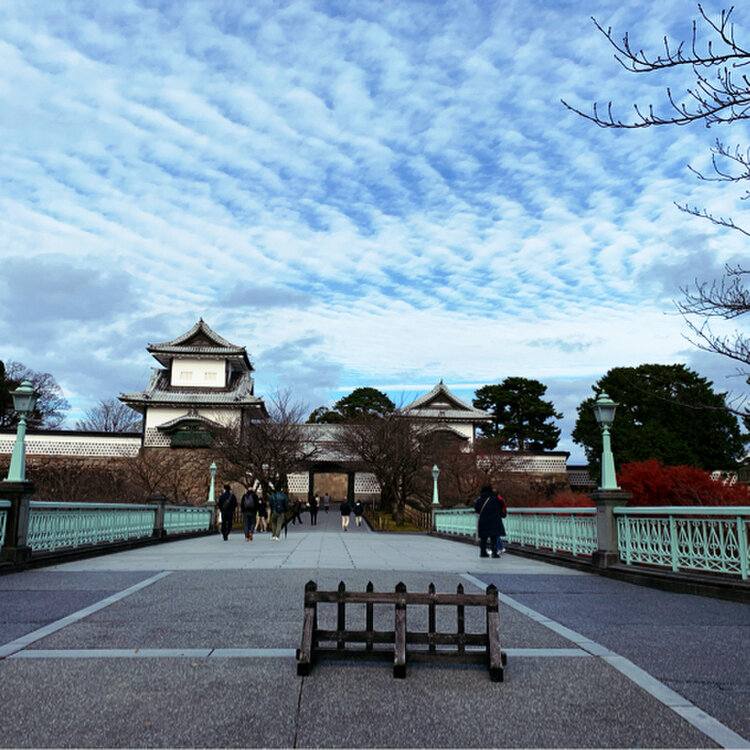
(652, 483)
(570, 499)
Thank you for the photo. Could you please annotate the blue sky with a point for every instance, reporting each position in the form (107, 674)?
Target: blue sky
(361, 193)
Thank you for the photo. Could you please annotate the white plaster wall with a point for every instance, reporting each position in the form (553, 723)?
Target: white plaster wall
(199, 372)
(74, 445)
(465, 428)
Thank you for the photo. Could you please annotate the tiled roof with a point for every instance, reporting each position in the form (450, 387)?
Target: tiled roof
(189, 417)
(201, 341)
(440, 403)
(200, 327)
(158, 391)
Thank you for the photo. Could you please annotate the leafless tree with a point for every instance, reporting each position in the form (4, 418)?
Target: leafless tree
(267, 450)
(719, 95)
(110, 415)
(51, 404)
(393, 448)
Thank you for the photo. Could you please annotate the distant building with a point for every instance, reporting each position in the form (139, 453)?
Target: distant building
(204, 382)
(445, 411)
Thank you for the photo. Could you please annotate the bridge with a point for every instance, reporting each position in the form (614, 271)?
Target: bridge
(192, 643)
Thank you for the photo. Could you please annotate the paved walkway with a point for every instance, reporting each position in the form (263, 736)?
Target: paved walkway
(191, 644)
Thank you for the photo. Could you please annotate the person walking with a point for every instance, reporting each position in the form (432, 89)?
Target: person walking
(296, 511)
(491, 509)
(249, 507)
(279, 505)
(346, 511)
(314, 503)
(227, 505)
(262, 515)
(359, 509)
(326, 502)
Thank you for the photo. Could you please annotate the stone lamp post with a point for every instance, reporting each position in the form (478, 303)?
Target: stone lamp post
(15, 491)
(609, 495)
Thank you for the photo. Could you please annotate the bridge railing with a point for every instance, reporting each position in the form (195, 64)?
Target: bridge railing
(694, 538)
(55, 526)
(571, 530)
(4, 508)
(681, 538)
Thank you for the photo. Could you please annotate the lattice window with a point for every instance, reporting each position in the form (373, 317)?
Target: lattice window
(366, 484)
(298, 483)
(156, 439)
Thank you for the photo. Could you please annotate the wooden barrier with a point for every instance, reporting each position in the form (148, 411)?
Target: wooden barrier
(400, 637)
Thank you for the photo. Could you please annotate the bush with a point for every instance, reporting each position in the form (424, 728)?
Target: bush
(651, 483)
(570, 499)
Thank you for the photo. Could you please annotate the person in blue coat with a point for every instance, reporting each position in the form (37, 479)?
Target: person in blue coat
(491, 509)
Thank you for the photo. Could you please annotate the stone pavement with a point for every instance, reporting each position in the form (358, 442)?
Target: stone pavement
(191, 644)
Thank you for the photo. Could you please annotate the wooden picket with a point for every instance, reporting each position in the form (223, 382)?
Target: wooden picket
(400, 637)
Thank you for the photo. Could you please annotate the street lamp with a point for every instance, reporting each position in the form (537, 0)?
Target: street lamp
(435, 475)
(24, 401)
(604, 412)
(212, 472)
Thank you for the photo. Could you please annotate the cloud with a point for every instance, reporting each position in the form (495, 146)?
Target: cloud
(396, 183)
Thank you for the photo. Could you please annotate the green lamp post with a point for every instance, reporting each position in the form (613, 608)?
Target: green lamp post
(24, 401)
(604, 413)
(435, 475)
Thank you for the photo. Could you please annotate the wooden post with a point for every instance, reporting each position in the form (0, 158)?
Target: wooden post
(494, 653)
(341, 624)
(304, 655)
(399, 646)
(461, 624)
(431, 618)
(369, 626)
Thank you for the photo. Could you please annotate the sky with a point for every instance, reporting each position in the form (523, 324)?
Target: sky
(382, 193)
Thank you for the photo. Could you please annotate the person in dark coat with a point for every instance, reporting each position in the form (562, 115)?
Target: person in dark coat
(359, 509)
(346, 511)
(314, 503)
(227, 505)
(296, 512)
(491, 509)
(249, 505)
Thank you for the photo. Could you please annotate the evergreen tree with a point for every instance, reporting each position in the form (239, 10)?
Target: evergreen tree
(666, 412)
(360, 402)
(521, 416)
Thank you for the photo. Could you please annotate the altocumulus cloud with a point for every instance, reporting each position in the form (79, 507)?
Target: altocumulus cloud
(399, 179)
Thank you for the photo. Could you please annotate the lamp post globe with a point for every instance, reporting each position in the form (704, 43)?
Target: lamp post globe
(604, 413)
(24, 401)
(435, 475)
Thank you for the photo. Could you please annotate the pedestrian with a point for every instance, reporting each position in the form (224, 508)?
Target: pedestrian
(346, 511)
(249, 506)
(314, 503)
(262, 515)
(296, 511)
(491, 509)
(359, 509)
(279, 504)
(326, 502)
(227, 506)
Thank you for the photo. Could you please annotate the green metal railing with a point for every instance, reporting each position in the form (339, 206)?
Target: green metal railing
(4, 505)
(54, 526)
(695, 539)
(682, 538)
(182, 519)
(570, 530)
